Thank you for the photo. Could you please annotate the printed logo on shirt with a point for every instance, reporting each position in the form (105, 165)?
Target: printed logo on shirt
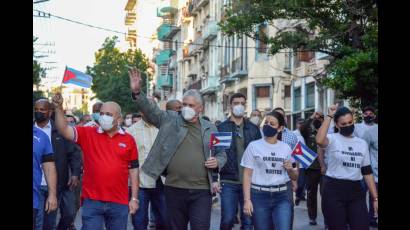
(275, 162)
(352, 159)
(122, 145)
(37, 138)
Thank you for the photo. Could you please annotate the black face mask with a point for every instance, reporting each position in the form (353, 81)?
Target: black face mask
(368, 119)
(317, 124)
(269, 131)
(40, 117)
(347, 130)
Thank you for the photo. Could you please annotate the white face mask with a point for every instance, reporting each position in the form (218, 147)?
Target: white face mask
(188, 113)
(106, 122)
(238, 110)
(128, 122)
(255, 120)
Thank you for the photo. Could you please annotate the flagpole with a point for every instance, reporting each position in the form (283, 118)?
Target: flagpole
(61, 84)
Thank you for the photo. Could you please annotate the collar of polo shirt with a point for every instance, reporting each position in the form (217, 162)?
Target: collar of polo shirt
(120, 131)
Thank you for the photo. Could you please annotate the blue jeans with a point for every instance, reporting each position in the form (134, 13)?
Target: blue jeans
(157, 198)
(95, 213)
(271, 210)
(65, 199)
(301, 190)
(230, 196)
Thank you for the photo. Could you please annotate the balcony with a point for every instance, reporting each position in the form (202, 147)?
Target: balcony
(166, 31)
(322, 56)
(238, 68)
(163, 56)
(164, 80)
(192, 71)
(186, 15)
(196, 46)
(225, 74)
(185, 52)
(197, 5)
(195, 85)
(130, 18)
(210, 31)
(167, 8)
(130, 5)
(210, 85)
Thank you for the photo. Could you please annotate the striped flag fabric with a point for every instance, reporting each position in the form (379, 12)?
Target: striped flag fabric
(220, 140)
(75, 77)
(303, 154)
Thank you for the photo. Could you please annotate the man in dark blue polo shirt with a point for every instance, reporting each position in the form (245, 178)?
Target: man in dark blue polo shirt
(43, 154)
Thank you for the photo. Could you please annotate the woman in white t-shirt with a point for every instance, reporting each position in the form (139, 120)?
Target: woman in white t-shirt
(267, 171)
(348, 161)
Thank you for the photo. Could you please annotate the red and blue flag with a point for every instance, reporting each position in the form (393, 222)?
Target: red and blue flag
(75, 77)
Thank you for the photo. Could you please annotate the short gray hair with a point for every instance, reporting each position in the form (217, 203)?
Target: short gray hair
(194, 93)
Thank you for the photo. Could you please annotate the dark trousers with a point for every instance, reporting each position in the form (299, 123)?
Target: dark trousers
(188, 205)
(300, 191)
(35, 210)
(344, 204)
(313, 178)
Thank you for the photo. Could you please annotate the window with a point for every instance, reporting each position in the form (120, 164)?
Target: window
(262, 91)
(309, 113)
(176, 45)
(306, 56)
(297, 99)
(294, 118)
(287, 97)
(310, 95)
(261, 38)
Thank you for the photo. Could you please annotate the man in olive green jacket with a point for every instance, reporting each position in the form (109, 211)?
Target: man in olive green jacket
(181, 152)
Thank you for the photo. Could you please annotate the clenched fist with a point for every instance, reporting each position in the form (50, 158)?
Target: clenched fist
(57, 100)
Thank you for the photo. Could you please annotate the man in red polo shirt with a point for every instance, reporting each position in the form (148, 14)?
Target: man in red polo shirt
(110, 157)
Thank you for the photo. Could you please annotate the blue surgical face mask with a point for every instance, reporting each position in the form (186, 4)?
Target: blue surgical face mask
(269, 131)
(95, 116)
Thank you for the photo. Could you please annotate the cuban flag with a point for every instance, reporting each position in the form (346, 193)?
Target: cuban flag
(304, 155)
(220, 140)
(75, 77)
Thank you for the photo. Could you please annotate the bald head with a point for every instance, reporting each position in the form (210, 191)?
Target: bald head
(174, 105)
(43, 102)
(42, 109)
(111, 107)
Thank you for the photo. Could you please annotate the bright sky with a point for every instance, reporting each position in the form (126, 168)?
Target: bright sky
(75, 45)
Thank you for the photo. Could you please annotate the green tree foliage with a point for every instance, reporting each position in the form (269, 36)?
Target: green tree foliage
(347, 30)
(38, 71)
(110, 73)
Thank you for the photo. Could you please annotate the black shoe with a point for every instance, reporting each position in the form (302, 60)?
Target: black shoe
(374, 224)
(312, 222)
(297, 201)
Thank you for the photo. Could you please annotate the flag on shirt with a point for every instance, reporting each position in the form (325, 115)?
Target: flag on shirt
(220, 139)
(303, 154)
(75, 77)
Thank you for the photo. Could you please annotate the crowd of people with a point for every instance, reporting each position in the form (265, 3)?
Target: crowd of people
(159, 166)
